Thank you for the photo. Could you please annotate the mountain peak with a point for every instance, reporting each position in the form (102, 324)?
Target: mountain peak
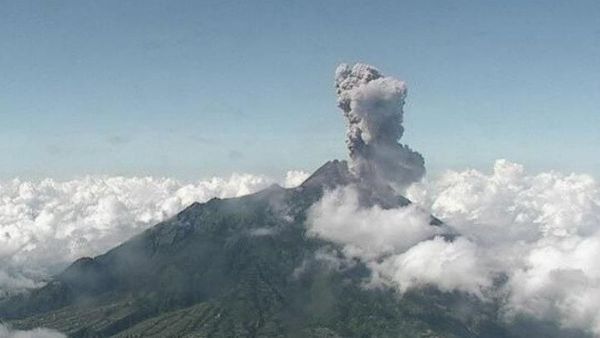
(329, 175)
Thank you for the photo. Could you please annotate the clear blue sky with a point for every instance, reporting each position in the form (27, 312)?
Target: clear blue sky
(196, 88)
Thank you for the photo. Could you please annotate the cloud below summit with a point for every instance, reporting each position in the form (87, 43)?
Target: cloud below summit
(47, 224)
(6, 332)
(540, 231)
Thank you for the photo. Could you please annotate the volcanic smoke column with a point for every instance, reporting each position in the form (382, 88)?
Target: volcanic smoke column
(372, 104)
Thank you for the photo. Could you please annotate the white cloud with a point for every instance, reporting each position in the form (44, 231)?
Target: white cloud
(400, 245)
(6, 332)
(559, 280)
(540, 231)
(47, 224)
(260, 232)
(368, 232)
(294, 178)
(449, 265)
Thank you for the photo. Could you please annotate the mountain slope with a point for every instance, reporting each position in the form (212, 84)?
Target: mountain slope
(241, 267)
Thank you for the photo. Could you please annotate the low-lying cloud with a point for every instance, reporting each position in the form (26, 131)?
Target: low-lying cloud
(294, 178)
(540, 233)
(47, 224)
(6, 332)
(339, 216)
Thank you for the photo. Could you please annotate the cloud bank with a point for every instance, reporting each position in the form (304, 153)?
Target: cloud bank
(47, 224)
(540, 232)
(373, 107)
(6, 332)
(294, 178)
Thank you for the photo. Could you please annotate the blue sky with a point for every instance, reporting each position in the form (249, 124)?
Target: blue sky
(196, 88)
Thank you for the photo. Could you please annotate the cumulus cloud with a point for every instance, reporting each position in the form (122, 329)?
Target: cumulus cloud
(47, 224)
(369, 233)
(373, 107)
(294, 178)
(399, 245)
(540, 233)
(449, 265)
(542, 230)
(6, 332)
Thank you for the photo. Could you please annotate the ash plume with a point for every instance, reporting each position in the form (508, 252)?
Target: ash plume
(373, 106)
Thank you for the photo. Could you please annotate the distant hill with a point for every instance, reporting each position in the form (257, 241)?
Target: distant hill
(243, 267)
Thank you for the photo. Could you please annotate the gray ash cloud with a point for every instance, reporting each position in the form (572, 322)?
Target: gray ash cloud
(373, 106)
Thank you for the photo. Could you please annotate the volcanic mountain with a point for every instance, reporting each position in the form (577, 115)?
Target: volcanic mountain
(245, 267)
